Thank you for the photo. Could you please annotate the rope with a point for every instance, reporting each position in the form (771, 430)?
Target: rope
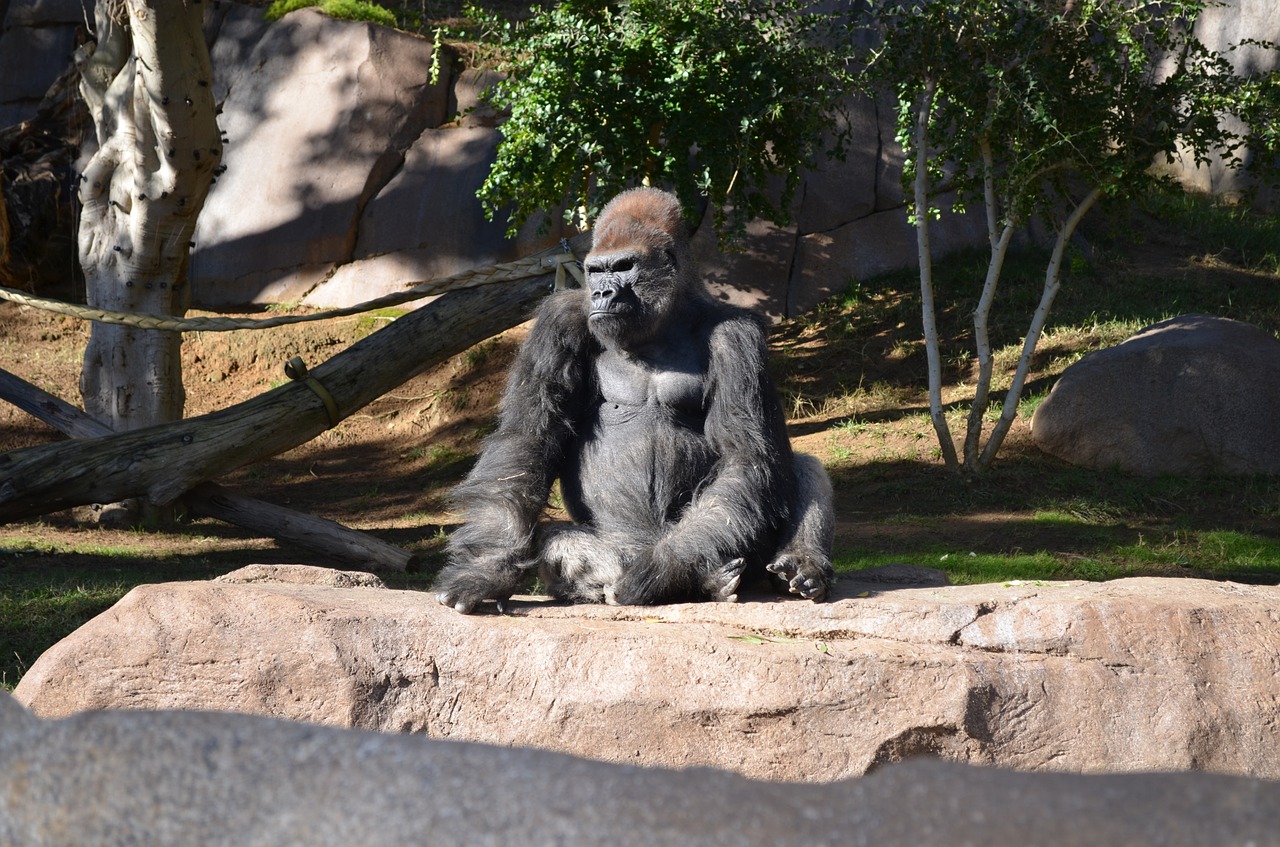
(297, 371)
(501, 272)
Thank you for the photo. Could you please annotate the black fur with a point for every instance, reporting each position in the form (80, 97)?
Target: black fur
(652, 405)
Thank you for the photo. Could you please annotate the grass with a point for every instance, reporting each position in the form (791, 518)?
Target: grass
(40, 604)
(1211, 554)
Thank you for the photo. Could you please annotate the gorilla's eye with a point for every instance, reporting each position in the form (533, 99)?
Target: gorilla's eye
(622, 266)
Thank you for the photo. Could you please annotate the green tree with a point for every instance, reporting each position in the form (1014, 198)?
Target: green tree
(1043, 107)
(715, 99)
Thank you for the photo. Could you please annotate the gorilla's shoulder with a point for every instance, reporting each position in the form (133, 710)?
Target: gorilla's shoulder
(735, 328)
(564, 314)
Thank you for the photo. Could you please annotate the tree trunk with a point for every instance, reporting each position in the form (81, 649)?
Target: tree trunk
(998, 237)
(37, 157)
(1052, 282)
(148, 87)
(324, 536)
(928, 313)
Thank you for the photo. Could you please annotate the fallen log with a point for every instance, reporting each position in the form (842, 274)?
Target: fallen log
(162, 462)
(212, 500)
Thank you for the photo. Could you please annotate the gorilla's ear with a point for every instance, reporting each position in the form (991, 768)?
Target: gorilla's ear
(671, 257)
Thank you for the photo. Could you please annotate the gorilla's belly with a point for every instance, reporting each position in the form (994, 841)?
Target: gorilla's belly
(637, 467)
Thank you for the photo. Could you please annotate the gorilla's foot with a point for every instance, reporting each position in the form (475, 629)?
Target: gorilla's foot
(722, 582)
(464, 588)
(803, 574)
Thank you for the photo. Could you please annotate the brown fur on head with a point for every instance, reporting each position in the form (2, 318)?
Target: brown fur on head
(640, 217)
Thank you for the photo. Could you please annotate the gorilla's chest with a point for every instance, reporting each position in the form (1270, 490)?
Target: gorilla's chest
(661, 385)
(642, 449)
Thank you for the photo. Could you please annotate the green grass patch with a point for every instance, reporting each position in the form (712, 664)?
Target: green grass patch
(1212, 554)
(347, 10)
(964, 568)
(377, 319)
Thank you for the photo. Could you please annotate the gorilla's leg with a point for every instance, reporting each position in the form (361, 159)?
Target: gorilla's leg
(803, 563)
(578, 565)
(669, 573)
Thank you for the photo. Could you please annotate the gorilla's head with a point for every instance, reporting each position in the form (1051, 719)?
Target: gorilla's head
(639, 270)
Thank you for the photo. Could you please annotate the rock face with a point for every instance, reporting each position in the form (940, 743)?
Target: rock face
(341, 184)
(141, 778)
(1194, 395)
(347, 179)
(1219, 27)
(37, 38)
(1132, 675)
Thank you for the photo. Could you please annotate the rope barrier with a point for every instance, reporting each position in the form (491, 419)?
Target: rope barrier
(501, 272)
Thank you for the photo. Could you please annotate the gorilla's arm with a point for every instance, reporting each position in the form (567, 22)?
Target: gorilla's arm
(745, 498)
(503, 496)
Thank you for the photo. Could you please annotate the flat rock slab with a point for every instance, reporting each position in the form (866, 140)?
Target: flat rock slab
(1131, 675)
(170, 778)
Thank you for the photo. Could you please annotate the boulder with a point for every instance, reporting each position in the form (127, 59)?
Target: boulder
(318, 114)
(142, 778)
(1219, 27)
(1195, 395)
(33, 53)
(111, 778)
(1131, 675)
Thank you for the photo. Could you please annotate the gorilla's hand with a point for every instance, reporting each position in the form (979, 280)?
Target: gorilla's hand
(805, 575)
(465, 586)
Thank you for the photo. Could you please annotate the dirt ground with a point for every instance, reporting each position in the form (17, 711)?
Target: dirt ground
(387, 468)
(855, 397)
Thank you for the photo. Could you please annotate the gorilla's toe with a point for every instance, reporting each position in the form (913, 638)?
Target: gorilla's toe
(465, 590)
(722, 582)
(803, 575)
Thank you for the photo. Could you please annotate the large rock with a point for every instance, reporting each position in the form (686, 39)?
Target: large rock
(318, 114)
(1132, 675)
(1194, 395)
(115, 778)
(37, 39)
(1220, 28)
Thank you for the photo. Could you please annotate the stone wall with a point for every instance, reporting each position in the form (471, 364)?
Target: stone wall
(1219, 27)
(345, 179)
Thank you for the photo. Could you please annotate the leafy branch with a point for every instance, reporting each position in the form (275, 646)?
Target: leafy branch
(722, 101)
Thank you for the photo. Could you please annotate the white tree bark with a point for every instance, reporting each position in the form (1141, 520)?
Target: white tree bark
(999, 237)
(1052, 282)
(148, 87)
(927, 309)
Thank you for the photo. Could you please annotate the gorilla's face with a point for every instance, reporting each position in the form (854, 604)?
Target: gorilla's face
(631, 292)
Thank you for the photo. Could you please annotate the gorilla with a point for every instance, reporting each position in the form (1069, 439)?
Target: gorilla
(651, 403)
